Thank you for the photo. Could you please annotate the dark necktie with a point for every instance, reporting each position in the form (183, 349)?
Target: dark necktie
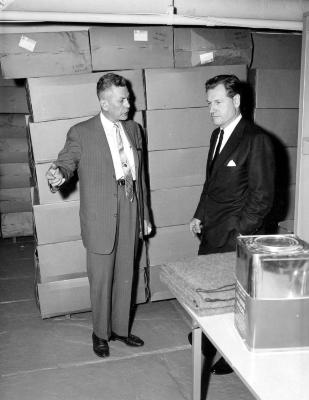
(125, 165)
(217, 151)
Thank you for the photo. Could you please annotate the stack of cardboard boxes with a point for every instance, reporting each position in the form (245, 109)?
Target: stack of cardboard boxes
(56, 103)
(178, 130)
(167, 68)
(275, 78)
(15, 177)
(61, 92)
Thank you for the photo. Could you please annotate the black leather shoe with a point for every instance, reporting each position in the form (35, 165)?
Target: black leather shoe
(100, 346)
(221, 367)
(130, 340)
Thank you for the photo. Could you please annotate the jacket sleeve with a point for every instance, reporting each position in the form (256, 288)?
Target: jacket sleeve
(261, 181)
(69, 156)
(200, 210)
(145, 186)
(142, 173)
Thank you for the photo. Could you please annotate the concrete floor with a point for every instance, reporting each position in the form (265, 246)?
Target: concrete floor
(52, 359)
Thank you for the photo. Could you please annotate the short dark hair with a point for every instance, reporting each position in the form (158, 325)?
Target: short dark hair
(108, 80)
(231, 83)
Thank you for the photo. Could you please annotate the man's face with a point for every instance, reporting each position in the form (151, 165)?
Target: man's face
(115, 104)
(223, 109)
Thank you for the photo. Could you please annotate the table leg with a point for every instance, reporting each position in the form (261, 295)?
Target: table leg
(197, 361)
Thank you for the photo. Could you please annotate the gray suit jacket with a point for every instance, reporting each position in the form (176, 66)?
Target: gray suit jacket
(87, 151)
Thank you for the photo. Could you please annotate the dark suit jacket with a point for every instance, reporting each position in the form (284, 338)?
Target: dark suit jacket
(87, 150)
(236, 199)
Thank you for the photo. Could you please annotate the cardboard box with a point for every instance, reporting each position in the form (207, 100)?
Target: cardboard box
(276, 50)
(58, 222)
(58, 259)
(13, 100)
(176, 168)
(48, 138)
(281, 122)
(178, 128)
(35, 28)
(15, 200)
(12, 126)
(183, 87)
(16, 224)
(131, 47)
(275, 88)
(15, 175)
(11, 82)
(76, 95)
(158, 289)
(24, 55)
(64, 297)
(72, 295)
(172, 243)
(211, 46)
(174, 206)
(13, 150)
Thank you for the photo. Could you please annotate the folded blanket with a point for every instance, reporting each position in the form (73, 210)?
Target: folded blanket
(205, 283)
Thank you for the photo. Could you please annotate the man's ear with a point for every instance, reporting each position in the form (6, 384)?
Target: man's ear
(104, 104)
(236, 100)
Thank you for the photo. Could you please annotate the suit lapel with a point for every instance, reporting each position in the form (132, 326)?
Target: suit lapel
(212, 144)
(100, 138)
(131, 138)
(229, 147)
(99, 132)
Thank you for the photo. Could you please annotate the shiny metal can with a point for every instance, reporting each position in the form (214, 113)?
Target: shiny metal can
(272, 291)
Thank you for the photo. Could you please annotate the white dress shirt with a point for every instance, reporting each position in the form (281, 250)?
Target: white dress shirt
(228, 130)
(110, 133)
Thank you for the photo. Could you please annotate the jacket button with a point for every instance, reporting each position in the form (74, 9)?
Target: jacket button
(115, 215)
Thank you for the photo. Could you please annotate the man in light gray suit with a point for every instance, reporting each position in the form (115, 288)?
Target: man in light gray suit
(107, 152)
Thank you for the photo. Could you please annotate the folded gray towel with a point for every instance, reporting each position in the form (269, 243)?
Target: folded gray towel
(205, 283)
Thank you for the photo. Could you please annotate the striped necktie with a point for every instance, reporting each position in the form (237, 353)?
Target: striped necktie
(125, 165)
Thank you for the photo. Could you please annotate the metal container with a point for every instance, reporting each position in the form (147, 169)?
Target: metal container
(272, 292)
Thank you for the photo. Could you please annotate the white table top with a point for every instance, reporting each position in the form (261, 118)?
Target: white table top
(270, 375)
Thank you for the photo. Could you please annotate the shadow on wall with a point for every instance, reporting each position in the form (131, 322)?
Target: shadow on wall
(283, 174)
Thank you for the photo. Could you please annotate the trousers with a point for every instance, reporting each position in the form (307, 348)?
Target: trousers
(111, 275)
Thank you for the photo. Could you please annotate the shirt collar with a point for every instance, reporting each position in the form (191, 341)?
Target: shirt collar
(232, 125)
(107, 123)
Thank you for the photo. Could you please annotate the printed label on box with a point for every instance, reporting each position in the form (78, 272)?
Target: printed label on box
(140, 36)
(27, 43)
(206, 58)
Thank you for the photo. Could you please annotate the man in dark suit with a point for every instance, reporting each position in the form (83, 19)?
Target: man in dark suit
(239, 188)
(107, 152)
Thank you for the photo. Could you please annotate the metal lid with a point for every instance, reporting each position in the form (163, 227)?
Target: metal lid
(276, 244)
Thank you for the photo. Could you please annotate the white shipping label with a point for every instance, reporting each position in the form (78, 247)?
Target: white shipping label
(207, 57)
(27, 43)
(140, 36)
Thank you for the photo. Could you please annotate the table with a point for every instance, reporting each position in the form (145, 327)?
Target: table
(269, 375)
